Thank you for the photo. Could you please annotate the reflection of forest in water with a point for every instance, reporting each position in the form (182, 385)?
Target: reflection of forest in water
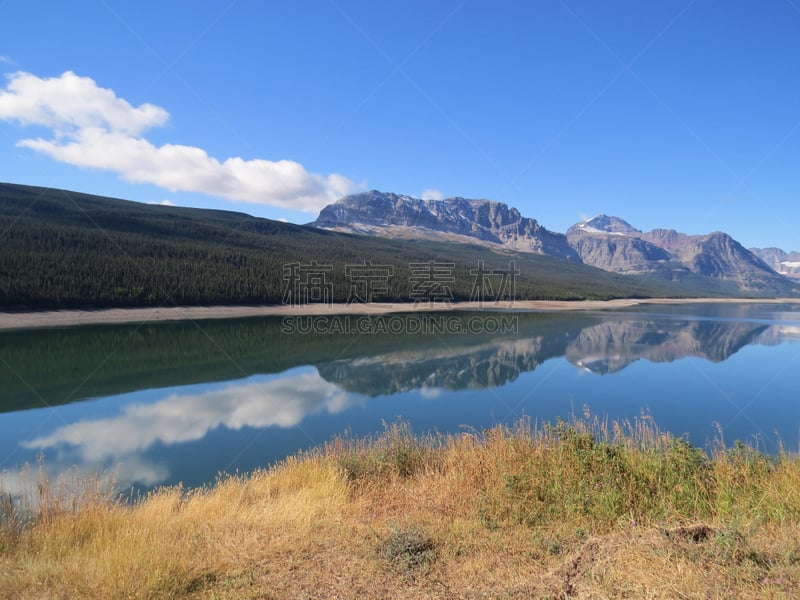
(49, 367)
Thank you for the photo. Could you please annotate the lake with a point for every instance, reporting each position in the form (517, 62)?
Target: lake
(181, 402)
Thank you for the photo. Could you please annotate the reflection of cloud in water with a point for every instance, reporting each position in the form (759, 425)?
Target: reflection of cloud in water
(19, 484)
(430, 393)
(282, 402)
(29, 487)
(69, 482)
(135, 470)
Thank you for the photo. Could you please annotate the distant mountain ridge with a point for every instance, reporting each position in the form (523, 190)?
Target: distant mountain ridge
(614, 245)
(785, 263)
(605, 242)
(484, 220)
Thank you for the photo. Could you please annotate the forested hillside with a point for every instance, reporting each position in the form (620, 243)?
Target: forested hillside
(61, 249)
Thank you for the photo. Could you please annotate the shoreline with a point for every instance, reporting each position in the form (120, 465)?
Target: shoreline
(72, 318)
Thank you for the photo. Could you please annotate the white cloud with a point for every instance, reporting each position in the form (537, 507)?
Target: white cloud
(92, 127)
(6, 60)
(69, 103)
(164, 202)
(432, 194)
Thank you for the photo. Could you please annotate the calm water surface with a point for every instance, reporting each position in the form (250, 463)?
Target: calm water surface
(181, 402)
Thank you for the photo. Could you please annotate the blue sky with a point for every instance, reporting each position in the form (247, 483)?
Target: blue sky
(682, 114)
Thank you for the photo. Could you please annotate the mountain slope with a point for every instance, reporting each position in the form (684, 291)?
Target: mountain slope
(624, 255)
(64, 249)
(612, 244)
(485, 220)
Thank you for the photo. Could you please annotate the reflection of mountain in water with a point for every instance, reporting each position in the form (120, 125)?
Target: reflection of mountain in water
(482, 366)
(777, 334)
(46, 368)
(611, 346)
(604, 347)
(457, 364)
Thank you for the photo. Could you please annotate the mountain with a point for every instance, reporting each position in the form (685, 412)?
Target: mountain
(785, 263)
(714, 262)
(394, 215)
(63, 249)
(611, 244)
(614, 245)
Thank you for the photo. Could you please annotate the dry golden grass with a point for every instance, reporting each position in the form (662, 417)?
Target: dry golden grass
(579, 510)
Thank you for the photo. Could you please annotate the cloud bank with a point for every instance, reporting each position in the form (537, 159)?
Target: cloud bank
(92, 127)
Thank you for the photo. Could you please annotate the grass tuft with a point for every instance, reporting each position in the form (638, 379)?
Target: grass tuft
(395, 453)
(408, 548)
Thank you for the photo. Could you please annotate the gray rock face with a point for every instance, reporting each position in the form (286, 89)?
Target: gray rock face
(669, 239)
(785, 263)
(620, 253)
(719, 255)
(612, 244)
(484, 220)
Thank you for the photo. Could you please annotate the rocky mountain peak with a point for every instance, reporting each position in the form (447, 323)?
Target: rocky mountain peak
(394, 215)
(606, 224)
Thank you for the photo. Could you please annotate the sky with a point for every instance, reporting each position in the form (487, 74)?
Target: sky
(679, 114)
